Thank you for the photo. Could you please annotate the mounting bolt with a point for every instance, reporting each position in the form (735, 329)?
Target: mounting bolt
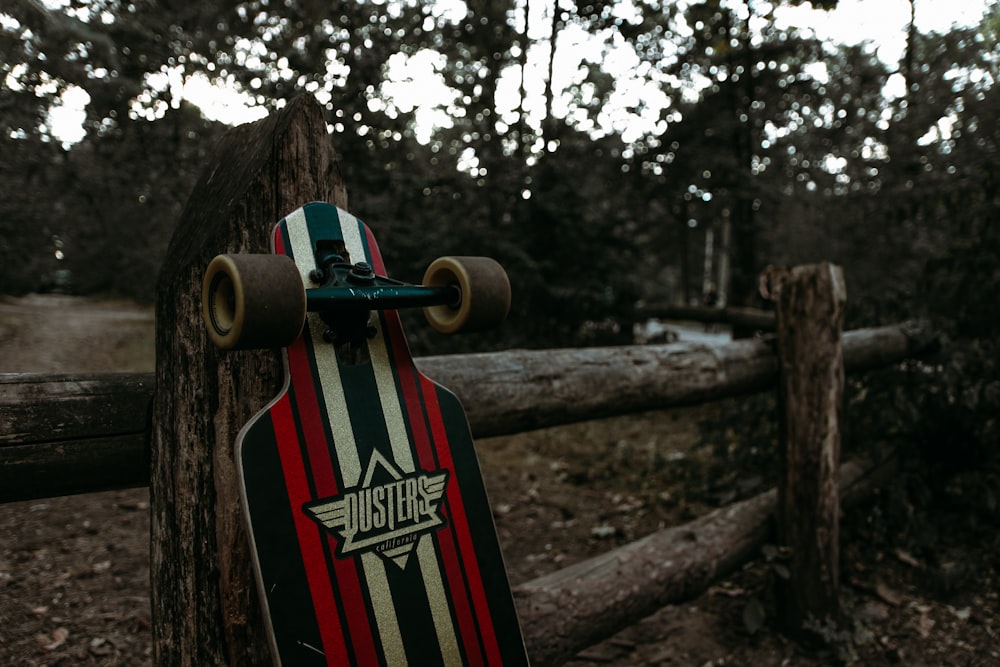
(361, 272)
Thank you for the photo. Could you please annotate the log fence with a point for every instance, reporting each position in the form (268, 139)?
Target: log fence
(173, 429)
(62, 434)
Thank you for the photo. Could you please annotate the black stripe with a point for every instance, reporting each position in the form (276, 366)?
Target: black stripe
(450, 526)
(453, 443)
(322, 222)
(407, 587)
(285, 584)
(371, 432)
(304, 452)
(482, 530)
(416, 625)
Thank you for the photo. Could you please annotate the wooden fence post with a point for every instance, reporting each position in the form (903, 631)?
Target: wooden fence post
(204, 601)
(810, 308)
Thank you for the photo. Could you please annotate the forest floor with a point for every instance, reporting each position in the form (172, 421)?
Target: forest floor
(74, 571)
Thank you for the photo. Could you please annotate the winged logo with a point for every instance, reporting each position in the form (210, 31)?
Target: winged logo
(386, 514)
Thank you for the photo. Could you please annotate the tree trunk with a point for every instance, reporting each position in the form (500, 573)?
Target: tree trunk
(724, 243)
(708, 286)
(522, 110)
(685, 255)
(204, 602)
(810, 315)
(550, 91)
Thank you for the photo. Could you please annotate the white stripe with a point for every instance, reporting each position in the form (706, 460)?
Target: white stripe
(446, 631)
(343, 437)
(298, 236)
(396, 424)
(391, 407)
(329, 374)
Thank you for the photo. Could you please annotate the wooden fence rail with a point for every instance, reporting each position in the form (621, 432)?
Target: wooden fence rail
(618, 588)
(752, 318)
(65, 434)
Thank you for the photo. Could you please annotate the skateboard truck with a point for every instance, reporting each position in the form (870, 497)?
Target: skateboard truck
(345, 294)
(257, 301)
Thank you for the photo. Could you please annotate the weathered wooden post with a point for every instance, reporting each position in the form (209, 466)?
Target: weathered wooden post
(810, 309)
(204, 602)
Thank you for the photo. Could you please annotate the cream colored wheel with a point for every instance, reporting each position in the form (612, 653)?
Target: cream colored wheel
(253, 301)
(485, 294)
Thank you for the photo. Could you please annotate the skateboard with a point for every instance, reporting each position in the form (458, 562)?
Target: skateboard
(372, 536)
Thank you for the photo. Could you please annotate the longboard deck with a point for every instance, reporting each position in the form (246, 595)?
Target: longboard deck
(373, 539)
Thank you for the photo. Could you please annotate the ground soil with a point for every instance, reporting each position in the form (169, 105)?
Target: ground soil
(74, 571)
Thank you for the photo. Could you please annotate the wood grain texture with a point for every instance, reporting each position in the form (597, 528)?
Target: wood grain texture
(39, 407)
(204, 602)
(810, 308)
(63, 434)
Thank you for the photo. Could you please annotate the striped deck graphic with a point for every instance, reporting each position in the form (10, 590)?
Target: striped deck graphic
(373, 539)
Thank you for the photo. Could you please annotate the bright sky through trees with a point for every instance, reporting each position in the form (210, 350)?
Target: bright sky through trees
(416, 86)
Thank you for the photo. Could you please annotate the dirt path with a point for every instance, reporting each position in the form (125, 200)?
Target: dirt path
(62, 334)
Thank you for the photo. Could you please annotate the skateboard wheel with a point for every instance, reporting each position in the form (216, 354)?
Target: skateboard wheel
(485, 291)
(253, 301)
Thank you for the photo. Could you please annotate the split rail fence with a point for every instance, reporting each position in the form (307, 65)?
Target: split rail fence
(63, 434)
(173, 430)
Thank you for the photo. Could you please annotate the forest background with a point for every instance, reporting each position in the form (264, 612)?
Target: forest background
(784, 147)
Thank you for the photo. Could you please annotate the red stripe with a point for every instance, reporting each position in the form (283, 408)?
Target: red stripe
(310, 543)
(408, 380)
(345, 572)
(312, 422)
(425, 455)
(461, 523)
